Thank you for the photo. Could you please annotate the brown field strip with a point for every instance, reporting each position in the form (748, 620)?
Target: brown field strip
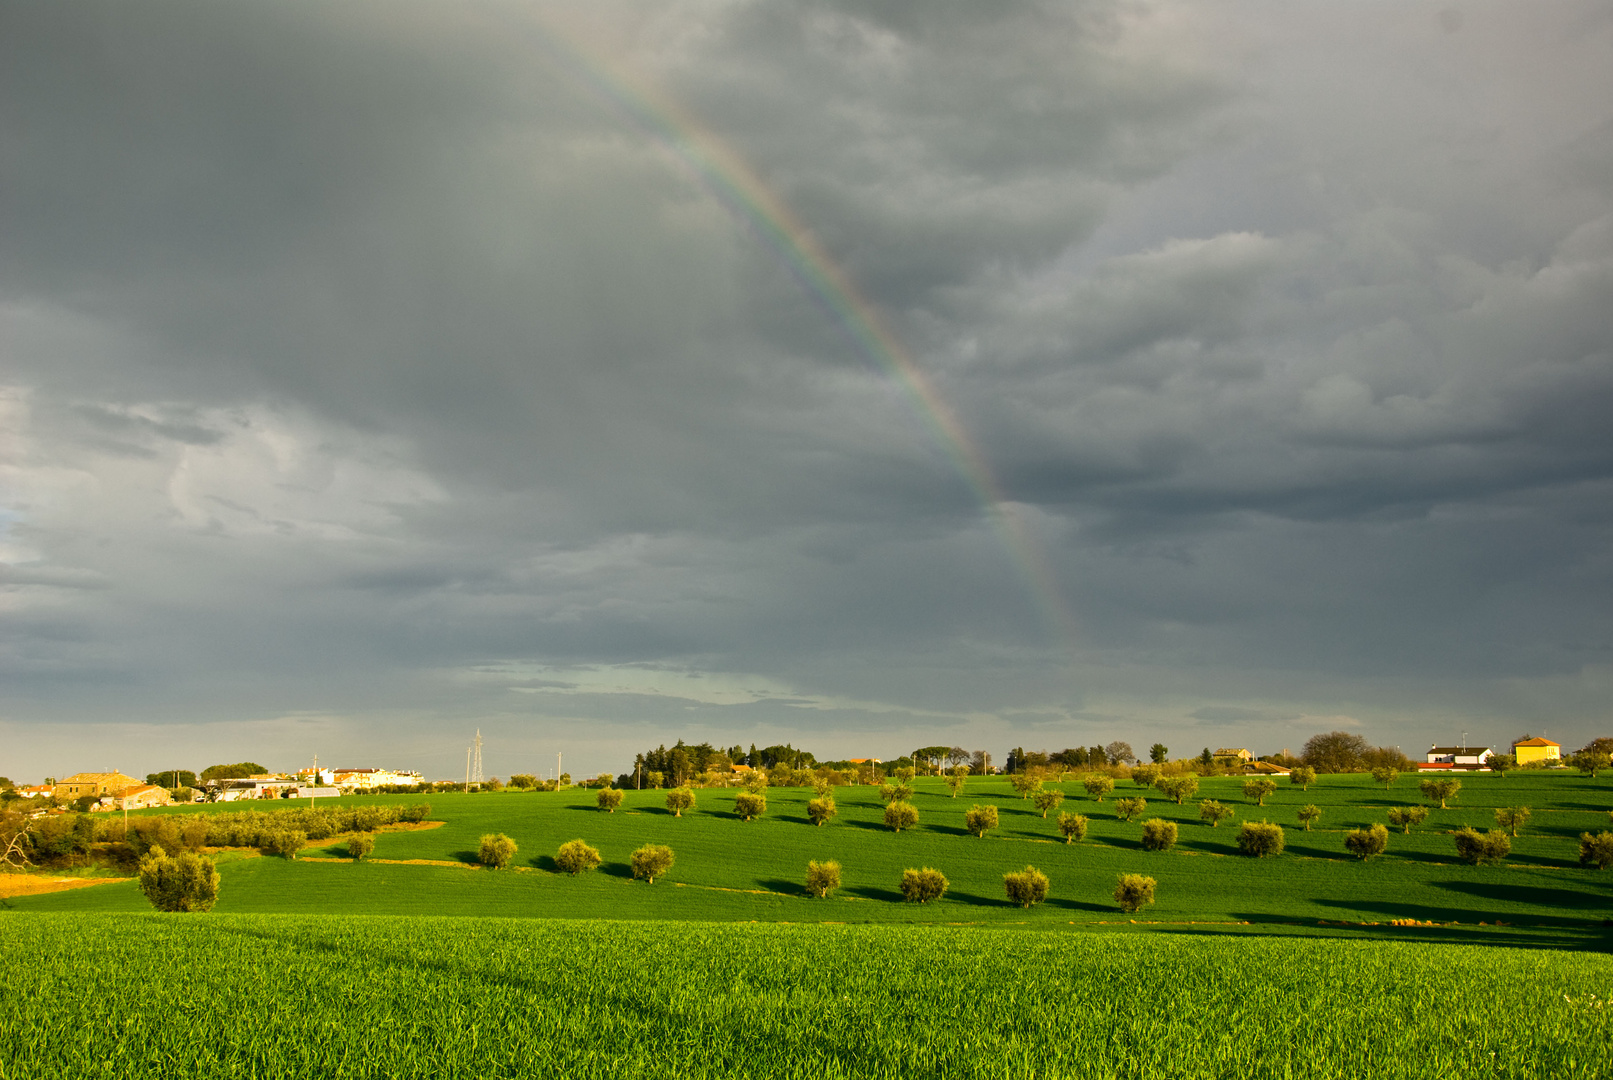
(31, 885)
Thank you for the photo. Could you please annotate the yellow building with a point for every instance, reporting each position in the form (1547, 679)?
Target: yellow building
(1537, 749)
(94, 784)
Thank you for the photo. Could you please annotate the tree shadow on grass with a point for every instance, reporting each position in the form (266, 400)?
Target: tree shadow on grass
(1064, 904)
(1580, 937)
(616, 870)
(471, 858)
(1534, 895)
(868, 892)
(545, 862)
(788, 888)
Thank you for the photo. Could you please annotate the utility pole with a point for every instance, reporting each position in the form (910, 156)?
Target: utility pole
(315, 783)
(557, 769)
(467, 770)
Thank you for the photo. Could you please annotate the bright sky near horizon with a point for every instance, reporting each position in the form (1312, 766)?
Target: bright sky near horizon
(863, 375)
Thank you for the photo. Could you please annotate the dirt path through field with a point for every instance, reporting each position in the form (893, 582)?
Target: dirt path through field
(32, 885)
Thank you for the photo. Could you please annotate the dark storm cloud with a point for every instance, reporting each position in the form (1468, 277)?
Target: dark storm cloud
(369, 368)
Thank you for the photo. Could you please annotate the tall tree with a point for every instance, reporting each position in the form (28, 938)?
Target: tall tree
(1335, 752)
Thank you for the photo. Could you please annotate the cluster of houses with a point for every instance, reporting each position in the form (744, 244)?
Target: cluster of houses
(115, 791)
(1524, 751)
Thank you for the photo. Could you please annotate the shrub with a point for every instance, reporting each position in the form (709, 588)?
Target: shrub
(749, 804)
(901, 815)
(955, 781)
(651, 861)
(819, 811)
(822, 788)
(1512, 818)
(1133, 891)
(416, 813)
(1126, 809)
(978, 819)
(576, 857)
(1596, 850)
(1098, 786)
(678, 800)
(1258, 788)
(904, 773)
(1158, 834)
(1404, 817)
(1214, 812)
(1046, 800)
(1476, 850)
(1026, 887)
(756, 782)
(923, 885)
(1365, 843)
(496, 850)
(1440, 790)
(1260, 839)
(283, 842)
(1303, 775)
(360, 845)
(1145, 775)
(890, 793)
(1309, 813)
(608, 799)
(823, 878)
(1073, 826)
(1384, 775)
(1177, 788)
(187, 882)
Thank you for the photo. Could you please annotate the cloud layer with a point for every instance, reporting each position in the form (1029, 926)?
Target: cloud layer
(378, 372)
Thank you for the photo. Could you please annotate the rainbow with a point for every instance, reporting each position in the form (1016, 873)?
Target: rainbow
(729, 178)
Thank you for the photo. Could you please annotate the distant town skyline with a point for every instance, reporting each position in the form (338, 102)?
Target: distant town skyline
(852, 375)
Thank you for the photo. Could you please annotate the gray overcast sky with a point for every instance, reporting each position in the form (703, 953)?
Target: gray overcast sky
(375, 372)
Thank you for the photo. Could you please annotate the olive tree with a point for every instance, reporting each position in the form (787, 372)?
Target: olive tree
(1258, 788)
(1440, 790)
(360, 845)
(608, 799)
(819, 811)
(749, 804)
(1501, 764)
(1159, 834)
(822, 878)
(1512, 818)
(901, 815)
(1026, 887)
(1214, 812)
(576, 857)
(1590, 762)
(1365, 843)
(283, 842)
(187, 882)
(956, 779)
(1145, 775)
(1126, 809)
(923, 885)
(1024, 783)
(1260, 839)
(1133, 891)
(1047, 799)
(1386, 776)
(1177, 788)
(1098, 786)
(496, 850)
(680, 799)
(1073, 826)
(651, 861)
(1309, 813)
(1476, 850)
(1404, 817)
(1303, 775)
(978, 819)
(1596, 850)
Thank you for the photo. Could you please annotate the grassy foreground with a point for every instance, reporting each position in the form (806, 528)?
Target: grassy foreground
(300, 996)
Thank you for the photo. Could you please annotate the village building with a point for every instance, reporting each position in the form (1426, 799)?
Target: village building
(94, 785)
(1235, 753)
(1528, 751)
(1456, 757)
(139, 797)
(370, 779)
(1263, 768)
(36, 791)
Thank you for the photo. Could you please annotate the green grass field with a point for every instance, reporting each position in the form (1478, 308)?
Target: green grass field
(732, 870)
(304, 996)
(420, 963)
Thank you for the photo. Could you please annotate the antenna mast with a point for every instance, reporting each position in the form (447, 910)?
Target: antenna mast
(476, 763)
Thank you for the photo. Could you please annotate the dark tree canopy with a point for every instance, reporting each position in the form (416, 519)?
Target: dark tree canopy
(232, 772)
(1335, 752)
(1118, 752)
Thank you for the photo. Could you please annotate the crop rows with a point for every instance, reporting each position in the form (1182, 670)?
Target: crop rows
(369, 997)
